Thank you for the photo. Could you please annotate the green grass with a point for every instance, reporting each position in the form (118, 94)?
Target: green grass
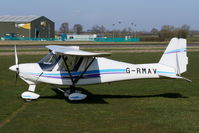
(92, 49)
(22, 50)
(134, 106)
(87, 49)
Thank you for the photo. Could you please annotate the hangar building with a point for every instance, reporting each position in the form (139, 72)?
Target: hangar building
(27, 27)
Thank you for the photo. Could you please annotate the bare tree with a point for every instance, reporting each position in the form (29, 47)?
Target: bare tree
(127, 31)
(166, 32)
(64, 27)
(98, 29)
(78, 28)
(183, 31)
(154, 31)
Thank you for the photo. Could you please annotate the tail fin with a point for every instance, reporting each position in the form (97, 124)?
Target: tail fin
(175, 55)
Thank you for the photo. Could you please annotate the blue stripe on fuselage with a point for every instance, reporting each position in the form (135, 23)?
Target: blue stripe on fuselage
(78, 73)
(166, 72)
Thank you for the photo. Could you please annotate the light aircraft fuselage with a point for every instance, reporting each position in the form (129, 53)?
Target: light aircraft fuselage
(69, 66)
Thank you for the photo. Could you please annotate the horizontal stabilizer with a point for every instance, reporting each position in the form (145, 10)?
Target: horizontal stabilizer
(175, 76)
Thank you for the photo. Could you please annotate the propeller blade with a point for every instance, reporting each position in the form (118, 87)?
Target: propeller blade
(17, 69)
(16, 57)
(16, 77)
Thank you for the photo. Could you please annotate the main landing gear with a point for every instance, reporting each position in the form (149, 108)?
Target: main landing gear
(72, 94)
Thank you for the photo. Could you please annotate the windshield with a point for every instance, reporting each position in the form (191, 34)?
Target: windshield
(49, 61)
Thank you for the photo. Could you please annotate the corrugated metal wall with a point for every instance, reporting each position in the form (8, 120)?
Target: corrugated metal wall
(41, 27)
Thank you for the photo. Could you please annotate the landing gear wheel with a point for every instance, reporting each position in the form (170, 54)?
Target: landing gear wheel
(71, 94)
(29, 96)
(77, 96)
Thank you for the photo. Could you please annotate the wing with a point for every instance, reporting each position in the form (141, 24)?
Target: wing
(74, 50)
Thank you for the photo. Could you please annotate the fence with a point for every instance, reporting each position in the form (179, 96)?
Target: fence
(117, 39)
(29, 39)
(82, 39)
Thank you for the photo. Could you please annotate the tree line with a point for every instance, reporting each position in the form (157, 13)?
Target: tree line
(168, 31)
(77, 28)
(164, 34)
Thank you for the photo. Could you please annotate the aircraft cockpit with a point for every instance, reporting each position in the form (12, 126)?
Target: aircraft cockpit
(49, 61)
(63, 63)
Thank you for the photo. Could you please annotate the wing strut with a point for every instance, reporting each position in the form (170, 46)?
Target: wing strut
(73, 79)
(81, 75)
(69, 72)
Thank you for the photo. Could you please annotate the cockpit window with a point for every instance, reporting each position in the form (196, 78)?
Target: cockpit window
(73, 63)
(48, 62)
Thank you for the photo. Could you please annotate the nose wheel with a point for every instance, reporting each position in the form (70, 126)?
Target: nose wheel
(29, 96)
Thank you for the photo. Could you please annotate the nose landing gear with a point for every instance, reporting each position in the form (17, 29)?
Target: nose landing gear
(30, 95)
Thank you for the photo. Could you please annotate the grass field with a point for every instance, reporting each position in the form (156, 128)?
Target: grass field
(43, 43)
(134, 106)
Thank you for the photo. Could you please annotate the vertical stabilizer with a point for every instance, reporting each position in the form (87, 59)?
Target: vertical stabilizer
(175, 55)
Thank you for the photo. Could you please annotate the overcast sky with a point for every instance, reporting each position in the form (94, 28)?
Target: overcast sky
(146, 14)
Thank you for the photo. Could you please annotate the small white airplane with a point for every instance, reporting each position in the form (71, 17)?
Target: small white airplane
(70, 66)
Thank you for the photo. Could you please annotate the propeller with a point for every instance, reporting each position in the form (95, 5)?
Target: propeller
(17, 68)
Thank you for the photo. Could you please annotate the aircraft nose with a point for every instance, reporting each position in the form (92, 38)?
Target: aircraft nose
(13, 68)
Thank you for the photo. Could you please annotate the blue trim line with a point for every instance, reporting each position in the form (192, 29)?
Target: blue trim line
(77, 73)
(176, 50)
(166, 72)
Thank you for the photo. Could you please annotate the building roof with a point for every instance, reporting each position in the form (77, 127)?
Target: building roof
(18, 18)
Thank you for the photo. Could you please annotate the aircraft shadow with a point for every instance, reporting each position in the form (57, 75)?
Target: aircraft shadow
(100, 98)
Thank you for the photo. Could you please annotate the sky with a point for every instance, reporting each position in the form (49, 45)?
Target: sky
(144, 14)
